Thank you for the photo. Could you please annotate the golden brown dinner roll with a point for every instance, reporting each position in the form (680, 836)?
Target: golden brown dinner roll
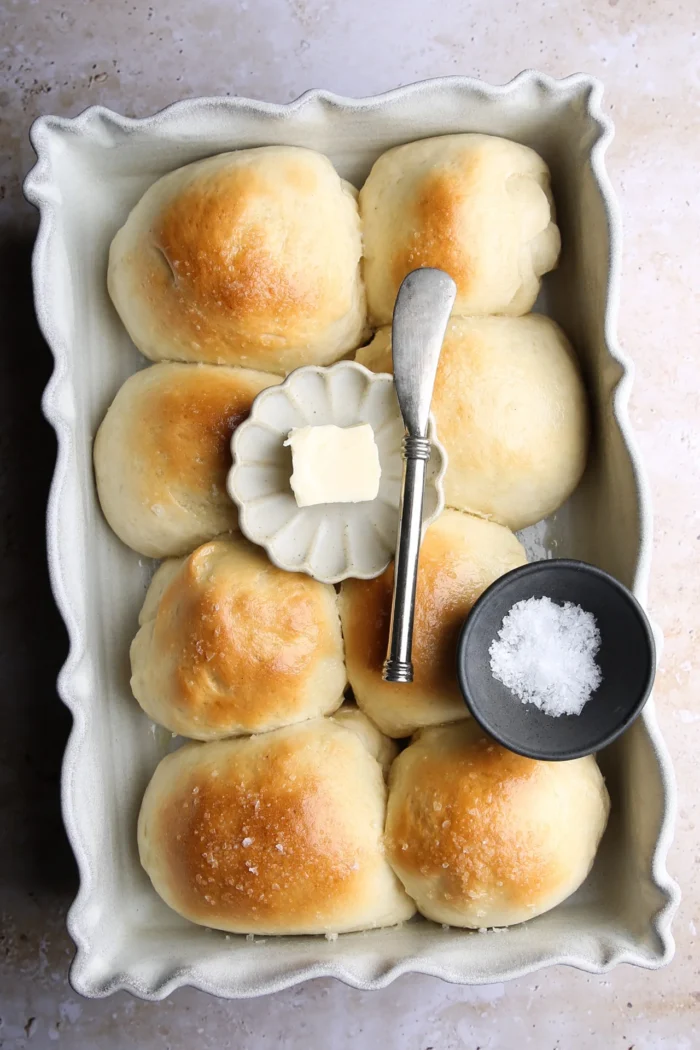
(249, 258)
(480, 836)
(511, 410)
(163, 452)
(276, 834)
(476, 206)
(230, 644)
(460, 556)
(381, 747)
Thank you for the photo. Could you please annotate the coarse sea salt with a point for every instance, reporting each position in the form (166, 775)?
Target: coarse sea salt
(545, 654)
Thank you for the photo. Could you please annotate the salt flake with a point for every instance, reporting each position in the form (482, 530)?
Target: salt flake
(545, 654)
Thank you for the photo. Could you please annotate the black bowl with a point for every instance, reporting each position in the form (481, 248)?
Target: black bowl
(627, 660)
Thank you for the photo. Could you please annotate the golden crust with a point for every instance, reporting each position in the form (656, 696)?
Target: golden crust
(476, 206)
(249, 258)
(279, 833)
(163, 452)
(459, 558)
(236, 645)
(216, 248)
(481, 836)
(436, 240)
(511, 410)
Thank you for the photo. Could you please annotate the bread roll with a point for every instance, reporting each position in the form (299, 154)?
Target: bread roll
(229, 644)
(272, 834)
(459, 558)
(480, 836)
(381, 747)
(249, 258)
(163, 452)
(476, 206)
(511, 410)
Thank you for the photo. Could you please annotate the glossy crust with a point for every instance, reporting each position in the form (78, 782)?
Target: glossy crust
(249, 258)
(460, 556)
(272, 834)
(230, 644)
(481, 837)
(476, 206)
(512, 412)
(163, 452)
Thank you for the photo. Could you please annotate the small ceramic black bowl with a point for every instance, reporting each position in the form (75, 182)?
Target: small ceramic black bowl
(627, 660)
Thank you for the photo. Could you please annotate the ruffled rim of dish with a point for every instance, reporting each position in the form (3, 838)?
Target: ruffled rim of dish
(72, 681)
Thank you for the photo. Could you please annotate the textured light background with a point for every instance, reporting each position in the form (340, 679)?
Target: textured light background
(134, 58)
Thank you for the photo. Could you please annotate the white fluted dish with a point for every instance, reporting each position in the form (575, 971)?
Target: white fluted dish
(331, 541)
(91, 170)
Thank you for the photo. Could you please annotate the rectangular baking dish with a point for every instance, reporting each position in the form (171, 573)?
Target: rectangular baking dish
(90, 171)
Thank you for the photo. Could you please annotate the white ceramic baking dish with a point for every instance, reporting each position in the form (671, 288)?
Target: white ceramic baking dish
(90, 171)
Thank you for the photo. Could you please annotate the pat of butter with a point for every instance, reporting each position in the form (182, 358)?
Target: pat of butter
(334, 464)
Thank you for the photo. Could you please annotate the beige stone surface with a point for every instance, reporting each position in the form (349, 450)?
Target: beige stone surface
(59, 58)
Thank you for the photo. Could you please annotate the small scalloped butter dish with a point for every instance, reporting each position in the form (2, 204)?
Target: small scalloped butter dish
(329, 541)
